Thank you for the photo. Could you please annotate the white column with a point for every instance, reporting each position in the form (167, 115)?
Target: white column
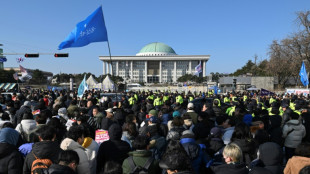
(175, 72)
(131, 69)
(190, 67)
(145, 69)
(103, 71)
(160, 73)
(204, 69)
(116, 65)
(109, 68)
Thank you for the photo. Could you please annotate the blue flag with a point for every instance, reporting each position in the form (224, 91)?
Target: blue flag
(82, 88)
(303, 75)
(92, 29)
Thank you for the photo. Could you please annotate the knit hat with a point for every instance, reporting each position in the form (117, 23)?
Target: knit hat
(216, 132)
(27, 103)
(176, 114)
(110, 110)
(153, 112)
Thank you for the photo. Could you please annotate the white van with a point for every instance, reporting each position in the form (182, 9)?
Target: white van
(133, 86)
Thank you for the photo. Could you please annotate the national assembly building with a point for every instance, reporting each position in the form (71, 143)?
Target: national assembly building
(154, 63)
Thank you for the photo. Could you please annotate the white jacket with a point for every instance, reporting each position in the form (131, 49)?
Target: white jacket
(92, 148)
(69, 144)
(294, 138)
(28, 126)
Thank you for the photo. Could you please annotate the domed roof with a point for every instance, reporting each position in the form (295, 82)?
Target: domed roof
(156, 49)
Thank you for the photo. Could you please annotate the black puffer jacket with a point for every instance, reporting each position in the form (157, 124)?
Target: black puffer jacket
(114, 149)
(43, 150)
(19, 114)
(10, 159)
(275, 130)
(270, 158)
(248, 149)
(230, 169)
(214, 146)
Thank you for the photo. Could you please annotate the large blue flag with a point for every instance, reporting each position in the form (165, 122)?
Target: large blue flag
(303, 75)
(92, 29)
(82, 88)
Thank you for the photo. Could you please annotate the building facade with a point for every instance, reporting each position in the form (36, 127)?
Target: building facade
(155, 63)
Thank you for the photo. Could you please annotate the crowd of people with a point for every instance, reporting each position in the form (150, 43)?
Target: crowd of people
(154, 132)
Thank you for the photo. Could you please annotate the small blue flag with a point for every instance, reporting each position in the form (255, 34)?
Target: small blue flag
(92, 29)
(82, 88)
(303, 75)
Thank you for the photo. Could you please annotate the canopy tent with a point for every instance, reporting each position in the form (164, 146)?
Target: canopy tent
(253, 89)
(108, 84)
(91, 82)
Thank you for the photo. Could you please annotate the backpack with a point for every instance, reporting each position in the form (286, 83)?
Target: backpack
(138, 169)
(40, 166)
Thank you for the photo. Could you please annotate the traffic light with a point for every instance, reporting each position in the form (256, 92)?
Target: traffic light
(31, 55)
(61, 55)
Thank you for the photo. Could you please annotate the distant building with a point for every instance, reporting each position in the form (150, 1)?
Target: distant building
(154, 63)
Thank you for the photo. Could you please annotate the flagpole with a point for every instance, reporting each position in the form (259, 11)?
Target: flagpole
(112, 70)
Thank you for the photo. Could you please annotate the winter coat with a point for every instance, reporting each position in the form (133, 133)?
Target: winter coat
(294, 138)
(227, 134)
(165, 118)
(195, 153)
(114, 149)
(275, 130)
(175, 133)
(91, 147)
(270, 158)
(217, 110)
(126, 137)
(214, 145)
(71, 109)
(43, 150)
(28, 126)
(248, 149)
(19, 114)
(60, 169)
(193, 115)
(84, 166)
(140, 157)
(157, 146)
(237, 168)
(10, 159)
(295, 164)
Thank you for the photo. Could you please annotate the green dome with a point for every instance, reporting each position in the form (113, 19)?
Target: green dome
(156, 48)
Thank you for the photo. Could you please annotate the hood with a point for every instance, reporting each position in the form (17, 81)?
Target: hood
(293, 122)
(247, 146)
(192, 149)
(28, 125)
(69, 144)
(270, 154)
(115, 132)
(9, 135)
(275, 121)
(45, 149)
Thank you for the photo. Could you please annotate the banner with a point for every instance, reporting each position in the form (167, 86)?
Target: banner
(264, 92)
(101, 136)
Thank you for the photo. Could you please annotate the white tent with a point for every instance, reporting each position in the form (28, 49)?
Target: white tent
(107, 84)
(91, 82)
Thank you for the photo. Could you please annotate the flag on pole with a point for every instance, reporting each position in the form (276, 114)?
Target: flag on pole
(303, 75)
(25, 75)
(83, 87)
(92, 29)
(198, 69)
